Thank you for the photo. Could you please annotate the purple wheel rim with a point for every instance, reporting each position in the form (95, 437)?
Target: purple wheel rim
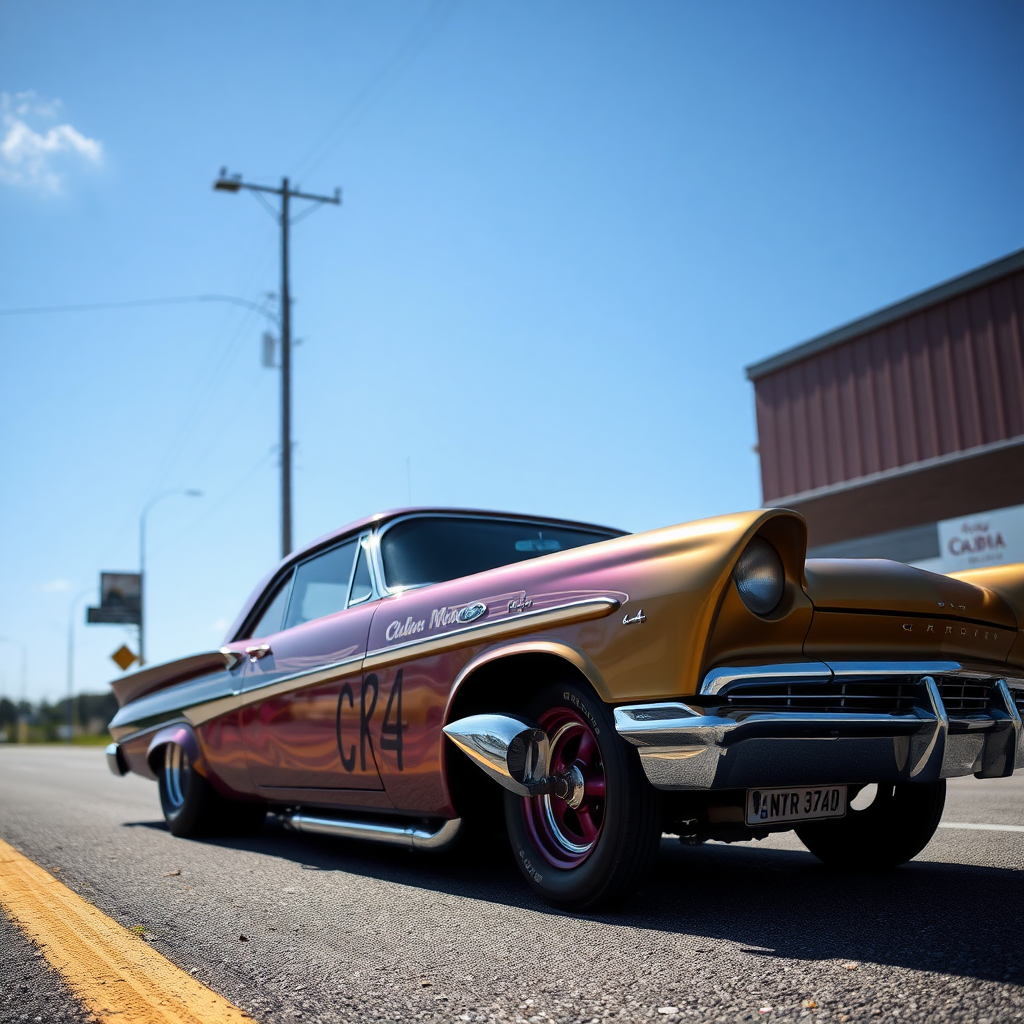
(567, 836)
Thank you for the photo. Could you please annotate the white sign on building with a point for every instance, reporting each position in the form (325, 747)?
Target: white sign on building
(986, 538)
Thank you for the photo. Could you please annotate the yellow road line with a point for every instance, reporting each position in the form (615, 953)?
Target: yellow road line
(112, 972)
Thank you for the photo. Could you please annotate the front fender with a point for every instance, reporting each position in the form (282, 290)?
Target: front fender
(573, 656)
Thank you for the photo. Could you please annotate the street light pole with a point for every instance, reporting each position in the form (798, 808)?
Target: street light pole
(234, 183)
(71, 658)
(24, 676)
(142, 562)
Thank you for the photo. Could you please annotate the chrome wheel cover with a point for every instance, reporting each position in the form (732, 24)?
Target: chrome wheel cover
(177, 772)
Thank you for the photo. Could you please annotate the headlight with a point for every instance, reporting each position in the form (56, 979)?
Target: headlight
(759, 577)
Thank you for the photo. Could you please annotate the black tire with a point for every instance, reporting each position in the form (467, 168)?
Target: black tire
(896, 826)
(192, 807)
(630, 819)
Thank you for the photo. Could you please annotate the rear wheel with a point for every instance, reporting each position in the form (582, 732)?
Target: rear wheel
(896, 826)
(593, 848)
(192, 807)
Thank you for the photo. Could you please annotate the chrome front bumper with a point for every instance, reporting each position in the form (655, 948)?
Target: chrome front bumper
(711, 743)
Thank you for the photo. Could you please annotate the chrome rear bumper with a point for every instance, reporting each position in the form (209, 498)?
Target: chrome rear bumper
(713, 742)
(115, 759)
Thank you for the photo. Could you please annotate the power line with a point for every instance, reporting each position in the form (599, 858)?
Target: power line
(400, 60)
(176, 300)
(229, 492)
(204, 382)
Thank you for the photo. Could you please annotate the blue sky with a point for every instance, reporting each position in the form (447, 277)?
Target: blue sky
(566, 229)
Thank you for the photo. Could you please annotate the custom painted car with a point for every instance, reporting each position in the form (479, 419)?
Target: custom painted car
(422, 673)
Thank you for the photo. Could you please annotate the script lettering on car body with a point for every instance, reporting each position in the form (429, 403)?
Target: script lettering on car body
(398, 629)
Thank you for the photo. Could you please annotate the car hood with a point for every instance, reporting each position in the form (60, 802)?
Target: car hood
(879, 585)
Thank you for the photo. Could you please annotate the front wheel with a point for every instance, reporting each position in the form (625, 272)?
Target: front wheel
(593, 848)
(896, 826)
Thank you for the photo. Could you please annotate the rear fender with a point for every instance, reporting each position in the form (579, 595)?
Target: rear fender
(184, 737)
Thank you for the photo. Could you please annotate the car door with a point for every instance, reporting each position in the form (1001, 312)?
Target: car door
(304, 669)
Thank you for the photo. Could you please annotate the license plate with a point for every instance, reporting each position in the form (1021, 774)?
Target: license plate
(766, 806)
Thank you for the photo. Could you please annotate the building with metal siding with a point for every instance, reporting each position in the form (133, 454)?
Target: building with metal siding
(887, 430)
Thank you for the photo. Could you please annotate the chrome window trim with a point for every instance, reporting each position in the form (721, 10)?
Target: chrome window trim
(352, 538)
(264, 603)
(245, 633)
(381, 530)
(362, 549)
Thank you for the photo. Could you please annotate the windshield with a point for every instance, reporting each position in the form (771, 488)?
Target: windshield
(431, 549)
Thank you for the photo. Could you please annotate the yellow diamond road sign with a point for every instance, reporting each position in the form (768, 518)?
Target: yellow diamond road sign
(123, 657)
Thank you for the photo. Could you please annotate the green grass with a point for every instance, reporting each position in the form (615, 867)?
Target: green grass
(91, 741)
(35, 738)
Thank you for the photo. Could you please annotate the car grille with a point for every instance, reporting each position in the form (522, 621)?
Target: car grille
(965, 696)
(878, 696)
(1018, 699)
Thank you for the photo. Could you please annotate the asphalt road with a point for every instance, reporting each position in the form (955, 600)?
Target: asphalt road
(301, 928)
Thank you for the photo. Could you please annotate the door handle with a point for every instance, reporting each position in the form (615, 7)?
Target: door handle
(232, 659)
(257, 652)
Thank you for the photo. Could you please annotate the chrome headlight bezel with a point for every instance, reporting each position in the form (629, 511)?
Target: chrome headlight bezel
(760, 577)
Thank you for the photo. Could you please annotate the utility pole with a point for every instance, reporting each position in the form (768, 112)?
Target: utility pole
(234, 183)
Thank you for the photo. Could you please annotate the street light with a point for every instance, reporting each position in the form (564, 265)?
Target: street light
(189, 493)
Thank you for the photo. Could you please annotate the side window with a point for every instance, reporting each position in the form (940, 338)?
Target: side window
(321, 585)
(362, 585)
(270, 621)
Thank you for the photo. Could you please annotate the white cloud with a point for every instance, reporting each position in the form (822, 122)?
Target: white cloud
(219, 625)
(56, 587)
(32, 158)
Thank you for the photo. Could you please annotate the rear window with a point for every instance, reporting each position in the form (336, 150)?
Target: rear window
(434, 549)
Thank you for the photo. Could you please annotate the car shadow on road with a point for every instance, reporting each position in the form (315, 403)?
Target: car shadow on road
(776, 904)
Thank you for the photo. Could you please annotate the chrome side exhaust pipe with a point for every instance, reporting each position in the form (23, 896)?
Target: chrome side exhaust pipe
(407, 835)
(516, 753)
(513, 751)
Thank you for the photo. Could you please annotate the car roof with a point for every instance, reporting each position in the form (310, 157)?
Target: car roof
(380, 518)
(377, 520)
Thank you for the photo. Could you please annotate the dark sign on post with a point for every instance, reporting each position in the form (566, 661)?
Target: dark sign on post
(120, 600)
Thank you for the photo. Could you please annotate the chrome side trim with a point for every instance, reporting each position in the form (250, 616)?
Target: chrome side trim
(572, 611)
(410, 836)
(199, 713)
(123, 735)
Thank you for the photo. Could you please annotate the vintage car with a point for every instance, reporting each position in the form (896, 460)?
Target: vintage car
(419, 673)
